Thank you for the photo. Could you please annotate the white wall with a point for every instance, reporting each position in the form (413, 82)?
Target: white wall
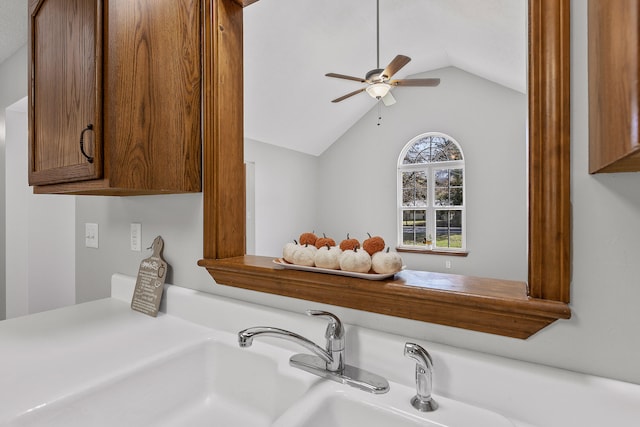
(177, 218)
(282, 195)
(16, 214)
(13, 86)
(358, 173)
(285, 196)
(40, 256)
(602, 336)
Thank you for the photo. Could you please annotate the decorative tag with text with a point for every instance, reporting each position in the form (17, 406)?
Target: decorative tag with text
(150, 283)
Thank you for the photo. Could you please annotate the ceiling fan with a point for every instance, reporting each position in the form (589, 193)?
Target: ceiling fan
(378, 80)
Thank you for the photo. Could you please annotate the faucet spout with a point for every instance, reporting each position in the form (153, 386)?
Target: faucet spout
(246, 336)
(326, 363)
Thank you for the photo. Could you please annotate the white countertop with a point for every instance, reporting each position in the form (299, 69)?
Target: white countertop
(48, 355)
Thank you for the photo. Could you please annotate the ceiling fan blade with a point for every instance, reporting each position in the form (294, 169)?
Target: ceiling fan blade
(355, 92)
(388, 99)
(398, 62)
(415, 82)
(342, 76)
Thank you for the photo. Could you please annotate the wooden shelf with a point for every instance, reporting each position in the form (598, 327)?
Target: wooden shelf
(487, 305)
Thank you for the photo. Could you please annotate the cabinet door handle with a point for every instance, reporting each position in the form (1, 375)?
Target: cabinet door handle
(89, 127)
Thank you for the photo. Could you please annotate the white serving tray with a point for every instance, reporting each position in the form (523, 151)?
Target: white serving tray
(368, 276)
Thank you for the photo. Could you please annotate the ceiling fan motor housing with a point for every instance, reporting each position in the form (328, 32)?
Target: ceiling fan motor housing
(376, 75)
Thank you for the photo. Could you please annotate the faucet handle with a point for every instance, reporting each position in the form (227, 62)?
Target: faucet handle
(422, 401)
(335, 331)
(335, 339)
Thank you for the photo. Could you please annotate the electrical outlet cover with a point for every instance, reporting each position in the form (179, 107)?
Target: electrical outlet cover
(91, 235)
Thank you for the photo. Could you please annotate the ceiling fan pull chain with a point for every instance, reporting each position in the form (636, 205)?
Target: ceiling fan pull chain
(379, 113)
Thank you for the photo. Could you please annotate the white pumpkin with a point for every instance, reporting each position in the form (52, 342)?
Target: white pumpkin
(305, 255)
(355, 260)
(288, 250)
(328, 257)
(386, 262)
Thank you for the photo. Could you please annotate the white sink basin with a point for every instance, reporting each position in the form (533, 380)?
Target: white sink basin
(340, 406)
(216, 382)
(212, 383)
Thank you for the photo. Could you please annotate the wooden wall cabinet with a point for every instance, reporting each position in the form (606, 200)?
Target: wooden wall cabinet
(614, 71)
(131, 70)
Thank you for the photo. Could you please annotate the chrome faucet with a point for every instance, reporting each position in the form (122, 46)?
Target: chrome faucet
(422, 401)
(333, 356)
(328, 363)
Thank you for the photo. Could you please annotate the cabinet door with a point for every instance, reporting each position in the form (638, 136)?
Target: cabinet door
(152, 91)
(614, 86)
(65, 90)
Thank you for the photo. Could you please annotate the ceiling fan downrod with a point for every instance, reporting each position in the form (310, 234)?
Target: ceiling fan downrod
(377, 34)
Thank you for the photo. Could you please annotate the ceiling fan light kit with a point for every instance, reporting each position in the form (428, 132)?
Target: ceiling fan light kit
(378, 90)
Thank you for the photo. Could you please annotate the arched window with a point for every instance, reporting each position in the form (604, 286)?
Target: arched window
(431, 210)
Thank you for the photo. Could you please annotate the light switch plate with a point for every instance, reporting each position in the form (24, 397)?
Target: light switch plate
(91, 235)
(136, 229)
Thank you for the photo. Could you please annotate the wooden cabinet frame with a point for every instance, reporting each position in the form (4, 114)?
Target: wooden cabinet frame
(488, 305)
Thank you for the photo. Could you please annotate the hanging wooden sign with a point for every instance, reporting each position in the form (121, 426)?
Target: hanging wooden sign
(150, 283)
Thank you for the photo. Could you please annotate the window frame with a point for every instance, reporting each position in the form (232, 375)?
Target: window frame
(477, 304)
(430, 208)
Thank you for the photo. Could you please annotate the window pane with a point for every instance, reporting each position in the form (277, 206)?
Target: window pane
(414, 188)
(439, 150)
(448, 187)
(455, 177)
(414, 225)
(449, 229)
(442, 177)
(433, 148)
(455, 197)
(419, 152)
(441, 197)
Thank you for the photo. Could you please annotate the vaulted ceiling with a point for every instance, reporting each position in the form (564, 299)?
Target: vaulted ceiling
(291, 44)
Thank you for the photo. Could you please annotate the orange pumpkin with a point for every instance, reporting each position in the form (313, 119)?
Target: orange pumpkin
(308, 239)
(373, 244)
(349, 243)
(324, 241)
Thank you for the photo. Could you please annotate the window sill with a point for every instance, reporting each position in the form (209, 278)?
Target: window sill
(500, 307)
(446, 252)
